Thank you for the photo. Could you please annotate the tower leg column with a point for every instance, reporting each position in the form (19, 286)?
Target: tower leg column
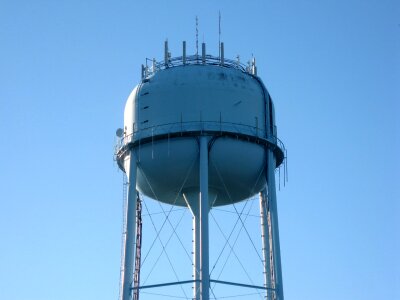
(196, 250)
(204, 210)
(129, 230)
(265, 237)
(274, 224)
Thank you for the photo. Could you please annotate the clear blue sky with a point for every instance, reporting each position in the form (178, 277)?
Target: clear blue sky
(66, 69)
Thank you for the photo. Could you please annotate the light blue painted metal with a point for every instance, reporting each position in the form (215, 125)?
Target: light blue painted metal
(212, 112)
(184, 93)
(129, 232)
(174, 105)
(265, 238)
(274, 225)
(204, 209)
(193, 203)
(241, 284)
(164, 284)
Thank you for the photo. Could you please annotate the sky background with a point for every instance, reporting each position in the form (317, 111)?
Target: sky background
(66, 69)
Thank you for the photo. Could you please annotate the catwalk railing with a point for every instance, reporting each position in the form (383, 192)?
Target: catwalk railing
(154, 67)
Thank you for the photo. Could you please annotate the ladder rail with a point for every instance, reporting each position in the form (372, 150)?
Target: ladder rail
(136, 277)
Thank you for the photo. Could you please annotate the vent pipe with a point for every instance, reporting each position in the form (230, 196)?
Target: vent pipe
(166, 58)
(253, 67)
(203, 52)
(222, 54)
(184, 52)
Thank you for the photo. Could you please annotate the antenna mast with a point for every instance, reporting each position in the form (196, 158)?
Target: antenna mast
(197, 37)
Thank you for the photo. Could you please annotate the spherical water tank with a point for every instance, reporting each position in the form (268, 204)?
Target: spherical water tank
(173, 106)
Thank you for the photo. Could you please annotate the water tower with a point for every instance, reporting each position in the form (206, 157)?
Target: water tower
(199, 132)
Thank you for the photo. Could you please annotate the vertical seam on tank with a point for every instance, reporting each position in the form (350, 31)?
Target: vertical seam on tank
(266, 105)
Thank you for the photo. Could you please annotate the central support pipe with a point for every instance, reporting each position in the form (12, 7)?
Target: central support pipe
(204, 209)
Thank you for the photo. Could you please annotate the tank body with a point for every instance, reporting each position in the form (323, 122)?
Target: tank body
(167, 112)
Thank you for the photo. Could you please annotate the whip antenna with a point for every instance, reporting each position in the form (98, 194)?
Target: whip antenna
(219, 34)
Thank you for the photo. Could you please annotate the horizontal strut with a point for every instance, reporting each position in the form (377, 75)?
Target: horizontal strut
(211, 280)
(164, 284)
(242, 285)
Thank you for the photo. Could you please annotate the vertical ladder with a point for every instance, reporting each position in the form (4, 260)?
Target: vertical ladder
(271, 251)
(136, 277)
(123, 236)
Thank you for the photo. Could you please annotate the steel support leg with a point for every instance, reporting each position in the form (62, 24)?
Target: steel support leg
(129, 231)
(274, 224)
(265, 236)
